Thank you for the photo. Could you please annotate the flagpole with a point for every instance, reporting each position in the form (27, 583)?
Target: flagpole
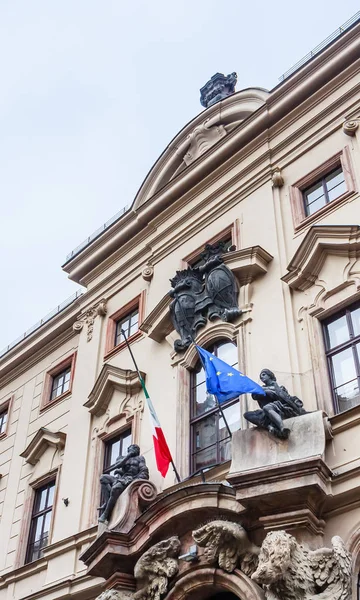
(146, 392)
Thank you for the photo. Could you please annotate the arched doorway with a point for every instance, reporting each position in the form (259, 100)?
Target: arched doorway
(223, 596)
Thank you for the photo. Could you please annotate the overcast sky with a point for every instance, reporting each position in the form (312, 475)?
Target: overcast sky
(93, 91)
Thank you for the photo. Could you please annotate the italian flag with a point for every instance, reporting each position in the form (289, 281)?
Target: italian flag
(162, 452)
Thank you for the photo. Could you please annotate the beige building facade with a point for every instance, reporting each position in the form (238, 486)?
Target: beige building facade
(275, 175)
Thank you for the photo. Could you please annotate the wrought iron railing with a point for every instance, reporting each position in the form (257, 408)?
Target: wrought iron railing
(96, 233)
(322, 45)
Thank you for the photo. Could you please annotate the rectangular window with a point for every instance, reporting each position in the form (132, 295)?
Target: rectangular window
(40, 522)
(210, 438)
(324, 190)
(327, 186)
(128, 318)
(129, 323)
(342, 342)
(3, 420)
(115, 447)
(60, 383)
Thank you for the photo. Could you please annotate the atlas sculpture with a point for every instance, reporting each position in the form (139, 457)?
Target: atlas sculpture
(127, 469)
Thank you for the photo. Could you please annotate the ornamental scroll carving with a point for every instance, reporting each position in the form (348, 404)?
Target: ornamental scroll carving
(115, 595)
(285, 569)
(154, 569)
(88, 318)
(204, 293)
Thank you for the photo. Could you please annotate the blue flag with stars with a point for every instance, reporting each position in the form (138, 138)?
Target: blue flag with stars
(224, 381)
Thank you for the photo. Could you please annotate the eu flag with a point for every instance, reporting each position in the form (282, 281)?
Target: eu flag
(224, 381)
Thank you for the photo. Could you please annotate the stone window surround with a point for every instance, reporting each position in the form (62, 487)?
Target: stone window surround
(110, 348)
(113, 429)
(49, 377)
(232, 230)
(341, 158)
(6, 406)
(53, 475)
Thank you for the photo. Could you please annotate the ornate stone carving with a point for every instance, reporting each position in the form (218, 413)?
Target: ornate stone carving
(203, 293)
(154, 569)
(201, 139)
(290, 571)
(88, 318)
(115, 595)
(350, 127)
(277, 178)
(127, 469)
(227, 545)
(276, 405)
(217, 88)
(148, 272)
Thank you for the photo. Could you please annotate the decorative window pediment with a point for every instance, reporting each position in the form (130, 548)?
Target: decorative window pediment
(247, 264)
(40, 442)
(319, 242)
(111, 378)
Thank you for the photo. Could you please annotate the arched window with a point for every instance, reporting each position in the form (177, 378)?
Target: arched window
(210, 439)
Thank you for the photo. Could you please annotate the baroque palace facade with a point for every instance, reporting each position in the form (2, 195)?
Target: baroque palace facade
(275, 176)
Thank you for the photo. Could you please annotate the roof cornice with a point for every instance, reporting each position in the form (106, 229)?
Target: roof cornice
(284, 98)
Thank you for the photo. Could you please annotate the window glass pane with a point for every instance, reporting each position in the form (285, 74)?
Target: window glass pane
(50, 500)
(338, 332)
(42, 499)
(315, 206)
(3, 421)
(135, 318)
(205, 432)
(313, 193)
(225, 450)
(38, 527)
(205, 458)
(203, 401)
(336, 191)
(355, 317)
(344, 367)
(126, 443)
(228, 353)
(232, 416)
(200, 377)
(47, 523)
(334, 178)
(348, 395)
(115, 452)
(134, 328)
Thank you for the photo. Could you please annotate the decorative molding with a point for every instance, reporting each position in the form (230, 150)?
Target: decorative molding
(277, 178)
(350, 127)
(154, 569)
(319, 242)
(201, 139)
(112, 378)
(40, 442)
(89, 316)
(148, 272)
(247, 264)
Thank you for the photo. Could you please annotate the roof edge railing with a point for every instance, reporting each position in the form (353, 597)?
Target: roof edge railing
(322, 45)
(60, 307)
(96, 233)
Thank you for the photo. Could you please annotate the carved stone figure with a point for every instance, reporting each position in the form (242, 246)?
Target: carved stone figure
(207, 292)
(290, 571)
(154, 569)
(127, 469)
(115, 595)
(227, 544)
(275, 406)
(217, 88)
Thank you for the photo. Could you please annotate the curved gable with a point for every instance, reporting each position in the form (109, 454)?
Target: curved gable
(197, 137)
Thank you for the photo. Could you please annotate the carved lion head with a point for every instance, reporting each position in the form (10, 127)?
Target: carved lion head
(275, 557)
